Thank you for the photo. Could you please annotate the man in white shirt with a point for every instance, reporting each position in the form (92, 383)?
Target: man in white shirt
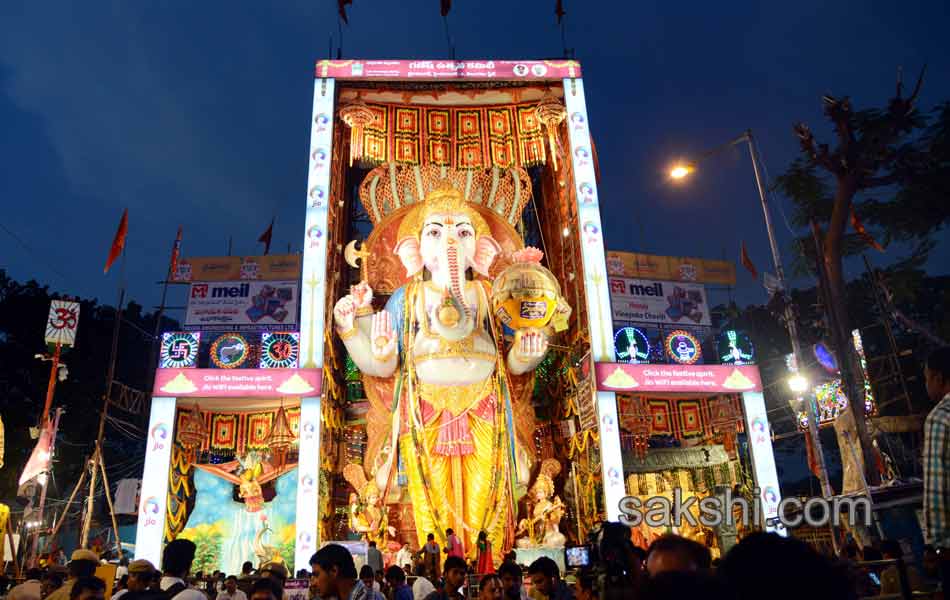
(231, 591)
(176, 564)
(30, 589)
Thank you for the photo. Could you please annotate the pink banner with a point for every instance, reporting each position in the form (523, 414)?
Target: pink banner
(236, 383)
(619, 377)
(516, 70)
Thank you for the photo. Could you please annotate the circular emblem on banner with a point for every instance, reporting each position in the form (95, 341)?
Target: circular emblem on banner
(179, 350)
(683, 347)
(229, 351)
(280, 350)
(735, 348)
(631, 345)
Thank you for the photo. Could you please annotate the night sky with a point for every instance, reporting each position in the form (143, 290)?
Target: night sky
(199, 114)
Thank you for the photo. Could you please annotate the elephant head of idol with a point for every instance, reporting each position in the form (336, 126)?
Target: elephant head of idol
(446, 237)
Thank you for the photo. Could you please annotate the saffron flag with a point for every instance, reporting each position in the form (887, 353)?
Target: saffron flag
(445, 6)
(747, 262)
(118, 242)
(176, 251)
(867, 237)
(341, 7)
(266, 237)
(559, 11)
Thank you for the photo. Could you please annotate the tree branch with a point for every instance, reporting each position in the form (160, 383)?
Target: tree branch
(817, 153)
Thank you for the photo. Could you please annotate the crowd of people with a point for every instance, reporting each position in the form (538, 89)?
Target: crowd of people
(673, 567)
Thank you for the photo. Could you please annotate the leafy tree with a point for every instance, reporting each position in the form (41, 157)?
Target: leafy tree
(891, 168)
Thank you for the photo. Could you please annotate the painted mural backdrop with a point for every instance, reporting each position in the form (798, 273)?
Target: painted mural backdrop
(226, 534)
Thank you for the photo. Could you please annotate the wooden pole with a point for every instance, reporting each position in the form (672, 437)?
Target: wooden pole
(62, 517)
(51, 386)
(96, 456)
(105, 486)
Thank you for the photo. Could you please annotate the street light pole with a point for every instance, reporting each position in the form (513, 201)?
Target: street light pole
(790, 320)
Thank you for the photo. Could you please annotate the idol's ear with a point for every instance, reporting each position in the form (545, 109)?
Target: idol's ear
(408, 250)
(486, 249)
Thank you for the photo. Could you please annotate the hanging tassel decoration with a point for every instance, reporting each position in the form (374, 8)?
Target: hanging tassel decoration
(357, 115)
(552, 113)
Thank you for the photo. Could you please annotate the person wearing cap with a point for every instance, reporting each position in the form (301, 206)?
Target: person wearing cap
(176, 564)
(83, 563)
(140, 574)
(30, 589)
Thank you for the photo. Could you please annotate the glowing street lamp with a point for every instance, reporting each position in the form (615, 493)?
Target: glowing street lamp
(797, 383)
(681, 171)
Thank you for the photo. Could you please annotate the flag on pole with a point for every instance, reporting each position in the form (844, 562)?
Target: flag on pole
(341, 7)
(445, 6)
(747, 262)
(176, 251)
(861, 231)
(559, 11)
(118, 242)
(812, 454)
(266, 237)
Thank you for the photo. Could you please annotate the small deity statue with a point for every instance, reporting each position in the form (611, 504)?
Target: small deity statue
(250, 490)
(542, 527)
(366, 517)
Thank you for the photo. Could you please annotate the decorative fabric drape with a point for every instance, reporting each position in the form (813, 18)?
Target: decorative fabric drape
(234, 433)
(501, 136)
(680, 418)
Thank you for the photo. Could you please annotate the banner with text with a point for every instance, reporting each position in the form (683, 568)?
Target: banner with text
(524, 70)
(236, 383)
(623, 377)
(671, 268)
(654, 301)
(242, 305)
(271, 267)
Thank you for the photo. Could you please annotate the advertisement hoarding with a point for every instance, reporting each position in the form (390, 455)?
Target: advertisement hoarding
(656, 301)
(237, 383)
(711, 379)
(635, 265)
(242, 305)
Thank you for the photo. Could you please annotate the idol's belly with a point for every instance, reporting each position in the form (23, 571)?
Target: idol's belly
(435, 365)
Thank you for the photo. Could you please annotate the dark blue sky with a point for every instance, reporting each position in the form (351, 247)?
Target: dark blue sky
(198, 113)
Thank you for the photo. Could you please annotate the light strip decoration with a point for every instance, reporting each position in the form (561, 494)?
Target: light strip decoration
(595, 287)
(150, 529)
(763, 458)
(313, 288)
(308, 480)
(312, 309)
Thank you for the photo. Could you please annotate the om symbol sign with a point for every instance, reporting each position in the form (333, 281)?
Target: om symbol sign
(65, 318)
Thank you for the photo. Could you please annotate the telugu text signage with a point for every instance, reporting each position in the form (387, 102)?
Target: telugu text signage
(622, 377)
(271, 267)
(517, 70)
(671, 268)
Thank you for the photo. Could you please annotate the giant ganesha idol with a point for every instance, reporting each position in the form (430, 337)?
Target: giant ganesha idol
(450, 364)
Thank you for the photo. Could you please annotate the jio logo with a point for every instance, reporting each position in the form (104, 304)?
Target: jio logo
(305, 539)
(586, 192)
(770, 495)
(577, 119)
(159, 435)
(309, 429)
(321, 120)
(314, 233)
(582, 152)
(150, 511)
(320, 157)
(307, 482)
(317, 196)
